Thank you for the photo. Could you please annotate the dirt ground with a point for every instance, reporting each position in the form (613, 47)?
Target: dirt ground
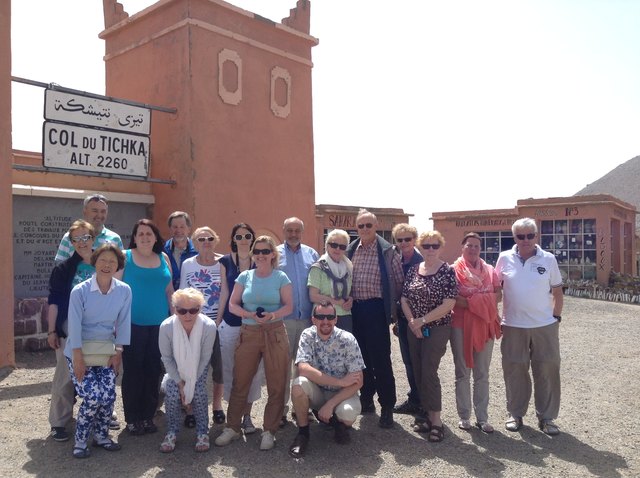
(599, 421)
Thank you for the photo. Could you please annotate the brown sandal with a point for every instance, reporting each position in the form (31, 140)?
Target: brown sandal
(436, 434)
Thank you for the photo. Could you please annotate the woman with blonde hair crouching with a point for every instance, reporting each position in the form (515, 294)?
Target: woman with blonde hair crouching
(186, 341)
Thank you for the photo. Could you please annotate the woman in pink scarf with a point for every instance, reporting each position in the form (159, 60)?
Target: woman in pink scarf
(474, 328)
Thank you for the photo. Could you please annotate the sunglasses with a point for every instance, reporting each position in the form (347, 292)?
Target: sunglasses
(97, 197)
(367, 225)
(85, 238)
(335, 245)
(264, 252)
(248, 236)
(435, 247)
(192, 311)
(400, 240)
(324, 317)
(204, 239)
(529, 236)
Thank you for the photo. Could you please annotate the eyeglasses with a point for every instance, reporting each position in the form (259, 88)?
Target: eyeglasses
(192, 311)
(324, 317)
(264, 252)
(367, 225)
(84, 238)
(529, 236)
(248, 236)
(208, 238)
(435, 247)
(335, 245)
(400, 240)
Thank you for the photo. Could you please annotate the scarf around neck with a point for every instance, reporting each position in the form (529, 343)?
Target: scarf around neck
(338, 272)
(186, 352)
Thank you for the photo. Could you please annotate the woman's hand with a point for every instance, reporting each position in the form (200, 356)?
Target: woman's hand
(347, 304)
(266, 317)
(53, 340)
(181, 389)
(416, 327)
(79, 367)
(115, 361)
(462, 302)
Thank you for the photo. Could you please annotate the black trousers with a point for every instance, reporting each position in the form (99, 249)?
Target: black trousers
(372, 332)
(142, 368)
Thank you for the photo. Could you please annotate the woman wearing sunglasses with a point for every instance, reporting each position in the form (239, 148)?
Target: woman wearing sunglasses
(186, 341)
(428, 295)
(475, 326)
(262, 297)
(64, 277)
(202, 272)
(330, 278)
(231, 265)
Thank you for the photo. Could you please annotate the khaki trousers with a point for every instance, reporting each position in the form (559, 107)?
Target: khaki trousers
(538, 348)
(270, 343)
(62, 391)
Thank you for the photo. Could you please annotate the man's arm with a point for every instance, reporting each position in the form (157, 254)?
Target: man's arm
(322, 379)
(558, 300)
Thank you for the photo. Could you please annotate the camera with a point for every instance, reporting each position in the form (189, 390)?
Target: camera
(260, 312)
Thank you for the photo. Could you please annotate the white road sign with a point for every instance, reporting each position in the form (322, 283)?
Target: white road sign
(98, 112)
(87, 149)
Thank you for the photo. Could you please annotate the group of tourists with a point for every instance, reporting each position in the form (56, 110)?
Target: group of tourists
(315, 329)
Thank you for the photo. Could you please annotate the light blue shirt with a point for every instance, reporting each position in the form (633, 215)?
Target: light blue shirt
(97, 316)
(296, 265)
(261, 292)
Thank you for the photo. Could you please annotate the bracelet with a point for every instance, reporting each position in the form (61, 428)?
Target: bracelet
(52, 332)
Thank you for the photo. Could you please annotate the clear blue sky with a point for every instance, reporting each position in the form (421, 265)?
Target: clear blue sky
(428, 105)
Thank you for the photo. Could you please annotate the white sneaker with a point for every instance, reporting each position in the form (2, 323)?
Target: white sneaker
(227, 436)
(268, 441)
(247, 425)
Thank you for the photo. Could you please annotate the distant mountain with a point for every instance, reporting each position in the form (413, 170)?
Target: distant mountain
(622, 182)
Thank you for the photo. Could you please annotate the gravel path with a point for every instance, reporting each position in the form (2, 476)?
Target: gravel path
(598, 417)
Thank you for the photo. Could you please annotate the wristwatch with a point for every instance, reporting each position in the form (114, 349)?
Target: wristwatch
(558, 318)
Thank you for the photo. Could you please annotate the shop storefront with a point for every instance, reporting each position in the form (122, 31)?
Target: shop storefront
(589, 235)
(329, 217)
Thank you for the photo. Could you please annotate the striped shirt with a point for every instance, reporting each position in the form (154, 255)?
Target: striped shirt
(65, 249)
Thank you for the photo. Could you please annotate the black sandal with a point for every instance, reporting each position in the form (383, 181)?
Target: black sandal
(79, 452)
(108, 445)
(436, 434)
(218, 417)
(190, 421)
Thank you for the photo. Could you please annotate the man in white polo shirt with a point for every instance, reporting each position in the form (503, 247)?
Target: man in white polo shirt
(532, 291)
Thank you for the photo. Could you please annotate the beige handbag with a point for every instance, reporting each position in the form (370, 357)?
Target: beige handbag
(96, 353)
